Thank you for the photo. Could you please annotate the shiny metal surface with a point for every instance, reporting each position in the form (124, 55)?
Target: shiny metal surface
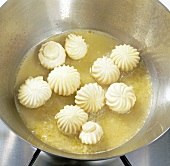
(144, 24)
(15, 151)
(44, 160)
(155, 154)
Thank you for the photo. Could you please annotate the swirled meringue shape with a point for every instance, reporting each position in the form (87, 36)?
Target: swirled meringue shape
(75, 47)
(51, 55)
(120, 97)
(105, 71)
(70, 119)
(34, 92)
(91, 133)
(64, 80)
(125, 57)
(90, 97)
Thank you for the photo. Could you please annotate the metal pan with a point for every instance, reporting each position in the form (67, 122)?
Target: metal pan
(144, 24)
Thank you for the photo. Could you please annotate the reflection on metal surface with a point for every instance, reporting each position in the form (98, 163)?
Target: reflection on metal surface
(2, 2)
(155, 154)
(65, 8)
(45, 160)
(166, 3)
(15, 151)
(142, 23)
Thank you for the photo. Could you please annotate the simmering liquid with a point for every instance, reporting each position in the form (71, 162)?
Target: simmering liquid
(118, 128)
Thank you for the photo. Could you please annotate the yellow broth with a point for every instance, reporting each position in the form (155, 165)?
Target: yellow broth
(118, 128)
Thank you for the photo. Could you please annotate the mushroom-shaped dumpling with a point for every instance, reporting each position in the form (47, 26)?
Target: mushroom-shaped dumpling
(125, 57)
(105, 71)
(120, 97)
(64, 80)
(70, 119)
(91, 133)
(34, 92)
(51, 55)
(75, 46)
(90, 97)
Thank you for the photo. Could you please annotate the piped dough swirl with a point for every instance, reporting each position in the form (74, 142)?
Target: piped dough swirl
(75, 46)
(91, 133)
(70, 119)
(125, 57)
(51, 55)
(64, 80)
(105, 71)
(120, 97)
(91, 97)
(34, 92)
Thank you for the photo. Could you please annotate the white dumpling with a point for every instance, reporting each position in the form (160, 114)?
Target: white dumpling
(34, 92)
(90, 98)
(125, 57)
(70, 119)
(51, 55)
(64, 80)
(75, 46)
(91, 133)
(105, 71)
(120, 97)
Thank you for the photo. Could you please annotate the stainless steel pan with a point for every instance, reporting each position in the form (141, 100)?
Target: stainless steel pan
(144, 24)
